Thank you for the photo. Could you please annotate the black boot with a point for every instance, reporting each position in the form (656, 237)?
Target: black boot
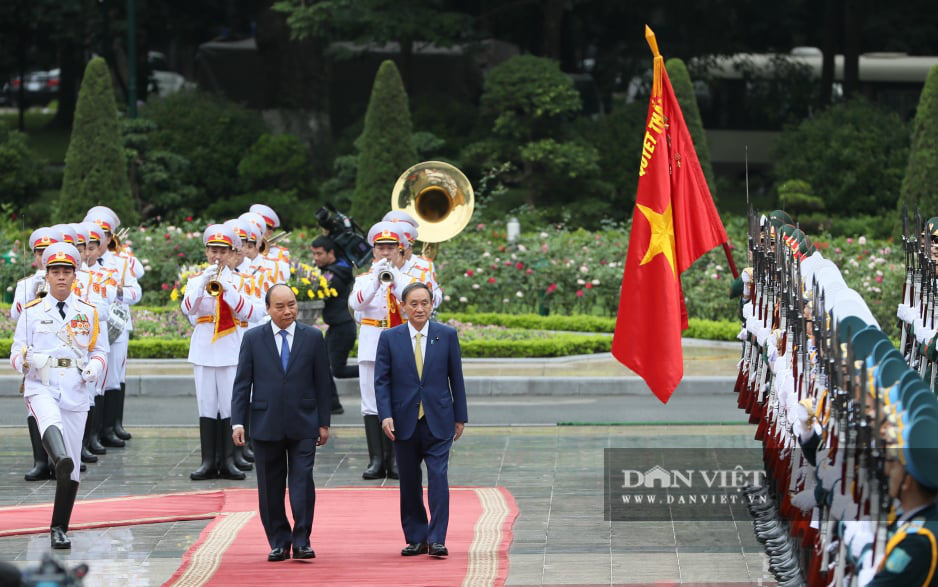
(108, 436)
(54, 444)
(389, 461)
(336, 407)
(373, 434)
(227, 468)
(41, 469)
(248, 449)
(96, 417)
(208, 434)
(119, 422)
(86, 455)
(62, 513)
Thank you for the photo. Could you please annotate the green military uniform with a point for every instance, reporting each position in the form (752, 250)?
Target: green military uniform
(912, 551)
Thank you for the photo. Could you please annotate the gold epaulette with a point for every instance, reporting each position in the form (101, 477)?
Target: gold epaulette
(33, 302)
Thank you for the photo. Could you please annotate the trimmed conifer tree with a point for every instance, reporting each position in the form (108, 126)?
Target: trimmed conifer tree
(687, 98)
(385, 148)
(921, 176)
(95, 163)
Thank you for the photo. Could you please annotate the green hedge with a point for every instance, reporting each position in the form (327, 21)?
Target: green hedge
(557, 346)
(147, 348)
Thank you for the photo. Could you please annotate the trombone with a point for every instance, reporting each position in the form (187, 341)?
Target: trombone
(114, 245)
(266, 243)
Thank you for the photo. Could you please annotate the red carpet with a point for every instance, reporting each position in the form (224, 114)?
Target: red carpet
(356, 535)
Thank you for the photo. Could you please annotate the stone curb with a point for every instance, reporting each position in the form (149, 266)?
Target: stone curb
(182, 385)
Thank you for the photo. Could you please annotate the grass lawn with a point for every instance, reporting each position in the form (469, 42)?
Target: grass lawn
(50, 144)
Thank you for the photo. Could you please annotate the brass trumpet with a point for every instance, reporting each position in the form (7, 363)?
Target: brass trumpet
(214, 287)
(42, 288)
(386, 276)
(274, 239)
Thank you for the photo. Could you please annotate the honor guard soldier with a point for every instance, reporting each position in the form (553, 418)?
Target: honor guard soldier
(95, 285)
(213, 299)
(119, 326)
(376, 295)
(27, 290)
(419, 267)
(58, 349)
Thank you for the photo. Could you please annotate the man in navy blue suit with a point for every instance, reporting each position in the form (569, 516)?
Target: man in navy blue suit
(286, 365)
(422, 405)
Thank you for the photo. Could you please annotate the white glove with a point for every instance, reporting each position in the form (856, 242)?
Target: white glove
(804, 500)
(35, 361)
(857, 535)
(210, 272)
(922, 332)
(89, 375)
(748, 311)
(905, 313)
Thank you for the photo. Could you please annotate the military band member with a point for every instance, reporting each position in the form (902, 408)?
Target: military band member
(212, 297)
(58, 349)
(95, 285)
(272, 222)
(128, 293)
(27, 289)
(376, 296)
(419, 267)
(277, 271)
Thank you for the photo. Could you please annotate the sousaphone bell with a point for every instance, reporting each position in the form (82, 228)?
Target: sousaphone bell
(438, 196)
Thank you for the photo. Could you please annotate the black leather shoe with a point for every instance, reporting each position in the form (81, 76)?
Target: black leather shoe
(59, 540)
(278, 554)
(438, 550)
(414, 549)
(303, 552)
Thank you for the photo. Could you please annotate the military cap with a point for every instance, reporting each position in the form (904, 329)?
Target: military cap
(782, 216)
(864, 341)
(385, 232)
(43, 237)
(919, 443)
(849, 326)
(115, 221)
(61, 254)
(103, 218)
(239, 228)
(81, 232)
(267, 213)
(258, 221)
(68, 233)
(95, 232)
(931, 226)
(219, 235)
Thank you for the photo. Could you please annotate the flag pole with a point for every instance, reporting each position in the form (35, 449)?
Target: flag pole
(655, 92)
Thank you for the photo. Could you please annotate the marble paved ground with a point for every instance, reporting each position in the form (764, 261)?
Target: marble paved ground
(554, 472)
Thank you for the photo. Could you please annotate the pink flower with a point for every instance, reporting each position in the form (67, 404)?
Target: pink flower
(529, 271)
(837, 250)
(167, 236)
(507, 263)
(165, 286)
(579, 293)
(602, 261)
(491, 280)
(879, 279)
(494, 266)
(188, 218)
(480, 226)
(182, 254)
(519, 265)
(544, 248)
(551, 288)
(589, 286)
(469, 272)
(849, 241)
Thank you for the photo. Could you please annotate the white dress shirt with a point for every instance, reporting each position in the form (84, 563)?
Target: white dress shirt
(423, 339)
(279, 339)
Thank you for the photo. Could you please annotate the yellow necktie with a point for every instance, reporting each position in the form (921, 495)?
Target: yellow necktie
(418, 358)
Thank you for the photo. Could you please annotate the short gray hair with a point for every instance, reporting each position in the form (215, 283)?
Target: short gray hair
(415, 285)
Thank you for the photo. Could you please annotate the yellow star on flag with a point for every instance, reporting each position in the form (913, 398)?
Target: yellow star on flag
(661, 240)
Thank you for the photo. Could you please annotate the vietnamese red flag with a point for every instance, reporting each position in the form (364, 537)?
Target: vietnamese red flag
(673, 224)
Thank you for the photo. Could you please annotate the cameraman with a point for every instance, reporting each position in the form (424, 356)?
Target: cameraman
(340, 337)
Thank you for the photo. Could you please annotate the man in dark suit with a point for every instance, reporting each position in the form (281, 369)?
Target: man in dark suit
(287, 367)
(421, 401)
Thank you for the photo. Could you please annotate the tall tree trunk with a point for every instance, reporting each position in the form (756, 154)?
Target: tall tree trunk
(829, 48)
(553, 29)
(853, 27)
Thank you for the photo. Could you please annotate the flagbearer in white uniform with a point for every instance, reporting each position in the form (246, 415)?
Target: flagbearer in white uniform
(375, 296)
(61, 352)
(213, 299)
(28, 289)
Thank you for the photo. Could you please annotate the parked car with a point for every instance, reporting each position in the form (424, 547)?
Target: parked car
(41, 88)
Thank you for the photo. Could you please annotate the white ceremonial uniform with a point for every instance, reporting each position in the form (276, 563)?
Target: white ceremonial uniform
(278, 269)
(421, 269)
(122, 273)
(246, 287)
(214, 361)
(370, 298)
(25, 292)
(57, 395)
(97, 288)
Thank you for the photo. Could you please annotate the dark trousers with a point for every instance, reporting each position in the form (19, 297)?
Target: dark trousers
(280, 463)
(340, 339)
(423, 446)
